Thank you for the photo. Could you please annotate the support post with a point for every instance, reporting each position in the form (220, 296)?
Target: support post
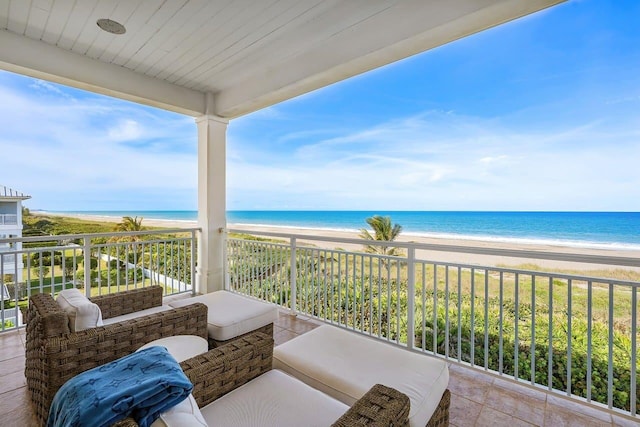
(212, 132)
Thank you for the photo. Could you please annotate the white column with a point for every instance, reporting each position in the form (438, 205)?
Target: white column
(212, 132)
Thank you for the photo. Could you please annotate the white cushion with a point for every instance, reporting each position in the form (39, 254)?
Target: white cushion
(135, 314)
(184, 414)
(346, 365)
(181, 347)
(83, 314)
(274, 399)
(231, 315)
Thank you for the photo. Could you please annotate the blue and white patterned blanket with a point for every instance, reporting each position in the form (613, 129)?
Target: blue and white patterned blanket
(141, 385)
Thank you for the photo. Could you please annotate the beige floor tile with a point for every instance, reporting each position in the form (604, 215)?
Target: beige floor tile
(625, 422)
(521, 389)
(12, 381)
(556, 402)
(556, 416)
(284, 336)
(467, 387)
(295, 324)
(521, 406)
(9, 366)
(316, 322)
(301, 327)
(493, 418)
(21, 416)
(470, 373)
(11, 400)
(9, 351)
(10, 335)
(463, 412)
(285, 321)
(10, 345)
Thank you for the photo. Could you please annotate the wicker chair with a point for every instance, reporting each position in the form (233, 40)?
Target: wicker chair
(54, 354)
(226, 368)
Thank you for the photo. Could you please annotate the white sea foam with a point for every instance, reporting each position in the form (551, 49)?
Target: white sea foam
(297, 227)
(530, 241)
(471, 237)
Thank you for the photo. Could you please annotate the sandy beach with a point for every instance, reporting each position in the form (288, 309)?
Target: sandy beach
(440, 256)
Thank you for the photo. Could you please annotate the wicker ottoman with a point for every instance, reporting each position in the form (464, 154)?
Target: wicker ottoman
(231, 315)
(345, 365)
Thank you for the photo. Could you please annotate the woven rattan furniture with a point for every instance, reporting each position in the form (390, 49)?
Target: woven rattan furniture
(345, 365)
(54, 354)
(228, 367)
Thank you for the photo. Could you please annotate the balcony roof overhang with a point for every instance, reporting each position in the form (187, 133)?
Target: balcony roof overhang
(246, 55)
(9, 194)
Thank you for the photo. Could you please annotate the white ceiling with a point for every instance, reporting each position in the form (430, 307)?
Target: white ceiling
(247, 53)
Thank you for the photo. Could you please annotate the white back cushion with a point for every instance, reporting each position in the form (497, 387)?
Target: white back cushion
(83, 314)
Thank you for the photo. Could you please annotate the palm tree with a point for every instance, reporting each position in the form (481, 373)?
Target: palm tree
(129, 224)
(383, 230)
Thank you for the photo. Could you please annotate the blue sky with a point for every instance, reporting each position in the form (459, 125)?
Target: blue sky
(542, 113)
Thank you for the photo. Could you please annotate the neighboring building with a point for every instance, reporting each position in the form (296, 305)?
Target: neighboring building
(11, 226)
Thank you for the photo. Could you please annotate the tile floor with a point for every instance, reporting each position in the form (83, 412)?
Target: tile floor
(477, 399)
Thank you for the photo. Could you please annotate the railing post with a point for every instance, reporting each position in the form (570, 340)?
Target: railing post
(86, 252)
(194, 236)
(294, 274)
(411, 293)
(225, 260)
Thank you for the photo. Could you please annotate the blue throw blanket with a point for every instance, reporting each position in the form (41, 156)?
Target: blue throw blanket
(141, 385)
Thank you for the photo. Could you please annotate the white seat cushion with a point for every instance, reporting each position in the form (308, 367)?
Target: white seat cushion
(274, 399)
(184, 414)
(136, 314)
(231, 315)
(181, 347)
(82, 313)
(346, 365)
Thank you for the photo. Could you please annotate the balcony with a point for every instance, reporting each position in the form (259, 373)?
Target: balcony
(481, 319)
(477, 398)
(8, 219)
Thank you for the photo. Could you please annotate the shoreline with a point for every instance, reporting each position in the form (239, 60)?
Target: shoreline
(453, 257)
(498, 241)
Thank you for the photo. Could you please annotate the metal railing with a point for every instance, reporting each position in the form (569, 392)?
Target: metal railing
(8, 258)
(569, 334)
(8, 219)
(99, 263)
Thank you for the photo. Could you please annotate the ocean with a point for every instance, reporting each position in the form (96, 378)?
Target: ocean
(604, 230)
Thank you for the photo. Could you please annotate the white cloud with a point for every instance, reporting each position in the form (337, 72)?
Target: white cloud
(490, 159)
(43, 86)
(62, 152)
(126, 130)
(442, 160)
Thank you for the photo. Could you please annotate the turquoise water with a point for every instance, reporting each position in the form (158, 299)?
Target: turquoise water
(614, 230)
